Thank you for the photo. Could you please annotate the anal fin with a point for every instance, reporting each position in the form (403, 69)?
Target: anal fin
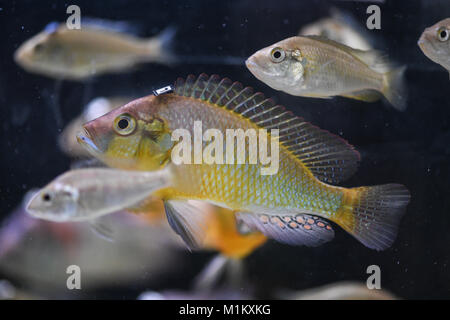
(300, 229)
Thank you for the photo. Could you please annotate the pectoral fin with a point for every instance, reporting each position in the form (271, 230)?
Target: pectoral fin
(102, 228)
(188, 221)
(300, 229)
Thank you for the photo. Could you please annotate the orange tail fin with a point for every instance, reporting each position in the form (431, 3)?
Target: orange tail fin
(372, 214)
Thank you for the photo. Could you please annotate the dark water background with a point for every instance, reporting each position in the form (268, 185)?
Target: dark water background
(409, 147)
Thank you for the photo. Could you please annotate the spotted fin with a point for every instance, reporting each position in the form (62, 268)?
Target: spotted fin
(329, 157)
(187, 221)
(301, 229)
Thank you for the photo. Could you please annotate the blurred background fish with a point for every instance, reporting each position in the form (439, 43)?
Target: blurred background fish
(341, 27)
(94, 49)
(217, 294)
(38, 252)
(345, 290)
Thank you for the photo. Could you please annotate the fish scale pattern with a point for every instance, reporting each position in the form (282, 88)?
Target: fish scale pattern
(241, 185)
(330, 158)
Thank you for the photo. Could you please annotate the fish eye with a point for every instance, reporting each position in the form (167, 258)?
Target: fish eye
(277, 54)
(443, 34)
(46, 197)
(124, 124)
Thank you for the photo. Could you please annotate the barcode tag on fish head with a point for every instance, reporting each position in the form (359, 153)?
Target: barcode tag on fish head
(166, 89)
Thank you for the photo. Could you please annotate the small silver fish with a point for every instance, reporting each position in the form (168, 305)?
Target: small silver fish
(86, 194)
(435, 43)
(316, 67)
(77, 54)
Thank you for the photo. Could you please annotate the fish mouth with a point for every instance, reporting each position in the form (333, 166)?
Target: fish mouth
(30, 208)
(251, 64)
(261, 69)
(255, 68)
(34, 210)
(85, 140)
(421, 42)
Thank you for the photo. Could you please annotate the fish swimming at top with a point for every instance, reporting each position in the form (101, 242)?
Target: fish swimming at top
(77, 54)
(312, 66)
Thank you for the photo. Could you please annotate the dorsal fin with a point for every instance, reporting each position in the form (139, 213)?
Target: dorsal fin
(329, 157)
(374, 59)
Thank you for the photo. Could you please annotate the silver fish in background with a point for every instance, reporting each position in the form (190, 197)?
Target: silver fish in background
(435, 43)
(67, 140)
(86, 194)
(344, 290)
(316, 67)
(140, 252)
(216, 294)
(77, 54)
(340, 27)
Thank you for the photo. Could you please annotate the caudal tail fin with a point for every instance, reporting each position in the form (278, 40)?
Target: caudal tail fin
(394, 88)
(372, 214)
(161, 47)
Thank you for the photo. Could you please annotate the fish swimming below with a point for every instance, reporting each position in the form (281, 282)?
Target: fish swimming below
(435, 43)
(86, 194)
(312, 66)
(94, 49)
(293, 205)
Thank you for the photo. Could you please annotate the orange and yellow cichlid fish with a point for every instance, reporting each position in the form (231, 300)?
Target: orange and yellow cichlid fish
(293, 205)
